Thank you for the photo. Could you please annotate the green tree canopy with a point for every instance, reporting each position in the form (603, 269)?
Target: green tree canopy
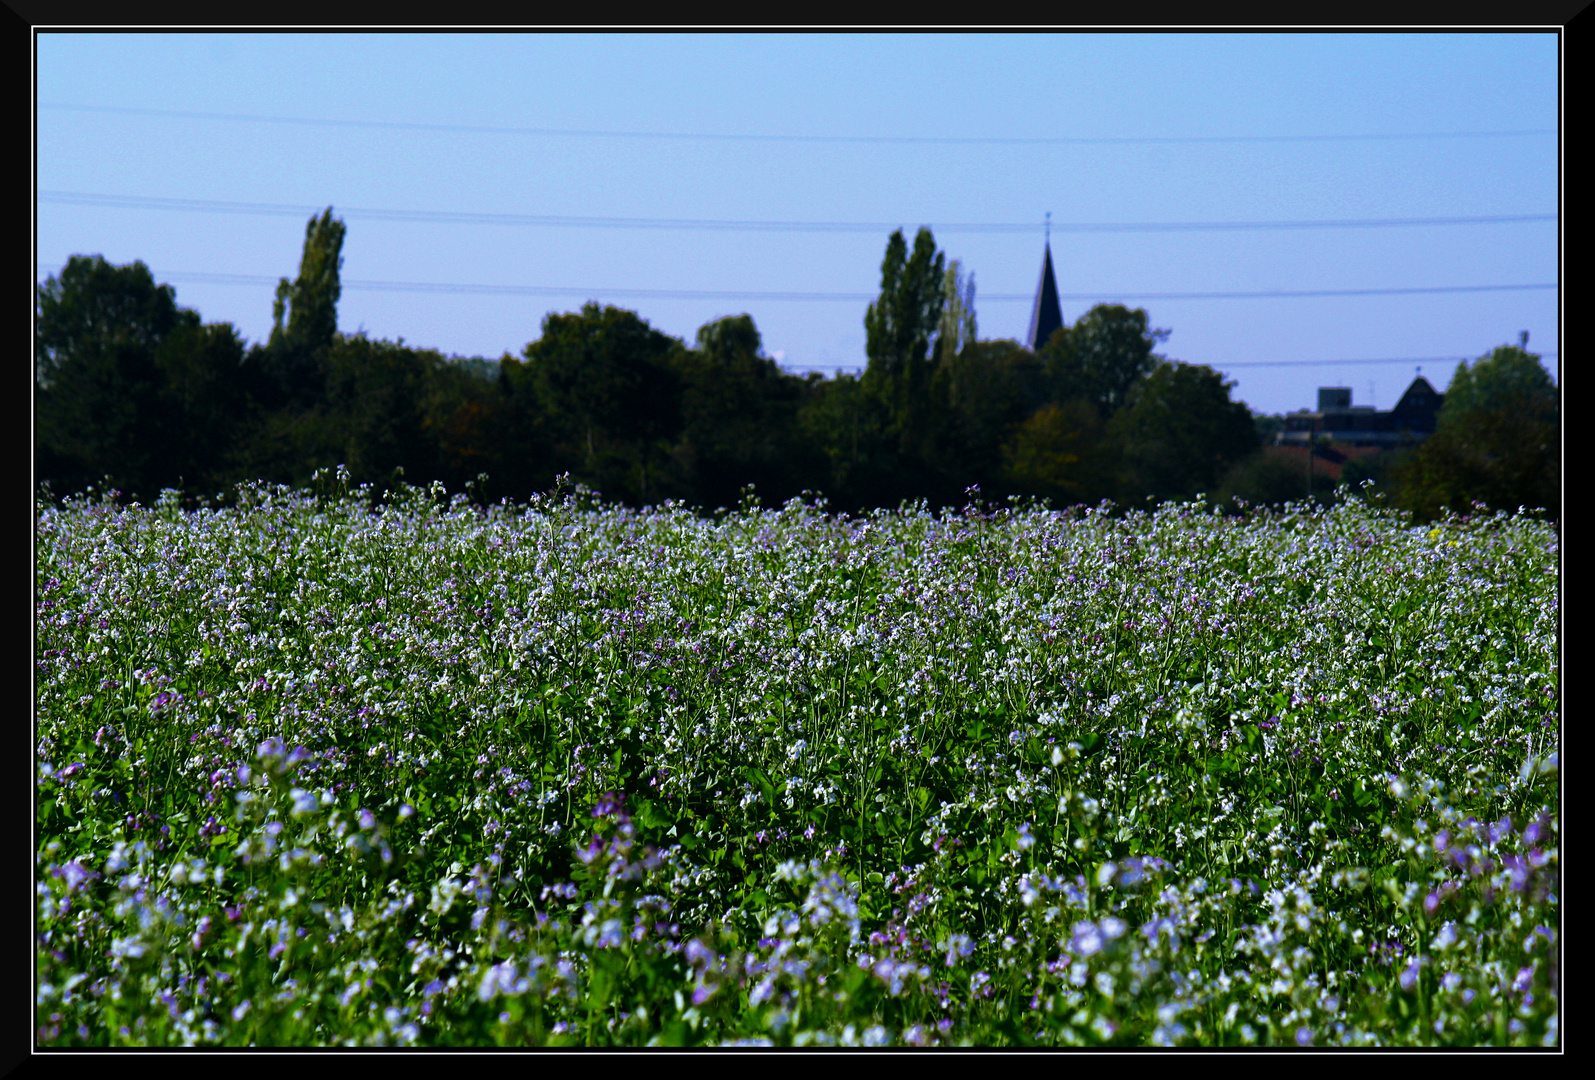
(289, 371)
(731, 340)
(202, 406)
(1102, 356)
(1060, 452)
(898, 327)
(94, 307)
(957, 327)
(739, 419)
(1508, 377)
(311, 300)
(980, 394)
(607, 394)
(98, 333)
(1497, 441)
(847, 424)
(1179, 433)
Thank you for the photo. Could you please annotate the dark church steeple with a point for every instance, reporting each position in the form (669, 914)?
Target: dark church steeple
(1047, 315)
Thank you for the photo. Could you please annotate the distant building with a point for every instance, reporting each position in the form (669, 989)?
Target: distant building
(1047, 315)
(1337, 420)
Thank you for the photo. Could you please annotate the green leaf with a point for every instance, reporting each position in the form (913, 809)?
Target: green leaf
(756, 777)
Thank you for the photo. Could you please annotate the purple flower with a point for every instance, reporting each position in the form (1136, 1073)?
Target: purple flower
(1087, 940)
(75, 874)
(697, 953)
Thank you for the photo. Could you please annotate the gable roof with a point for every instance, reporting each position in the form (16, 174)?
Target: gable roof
(1420, 398)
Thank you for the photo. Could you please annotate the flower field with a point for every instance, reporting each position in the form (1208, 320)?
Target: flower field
(322, 769)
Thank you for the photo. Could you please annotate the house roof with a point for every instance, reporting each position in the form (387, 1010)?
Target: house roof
(1420, 396)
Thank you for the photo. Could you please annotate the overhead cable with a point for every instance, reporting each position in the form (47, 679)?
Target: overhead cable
(995, 140)
(595, 292)
(213, 206)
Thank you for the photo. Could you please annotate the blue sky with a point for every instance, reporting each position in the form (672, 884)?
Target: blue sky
(867, 130)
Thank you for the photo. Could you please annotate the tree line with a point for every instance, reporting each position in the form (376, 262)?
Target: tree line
(133, 391)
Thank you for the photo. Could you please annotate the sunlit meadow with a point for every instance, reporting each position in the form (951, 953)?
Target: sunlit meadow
(323, 768)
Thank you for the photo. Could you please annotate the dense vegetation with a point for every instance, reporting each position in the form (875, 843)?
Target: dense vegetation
(383, 768)
(137, 393)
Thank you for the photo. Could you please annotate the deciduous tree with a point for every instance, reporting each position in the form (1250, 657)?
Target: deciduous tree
(1102, 356)
(98, 384)
(899, 326)
(1179, 433)
(1497, 441)
(610, 398)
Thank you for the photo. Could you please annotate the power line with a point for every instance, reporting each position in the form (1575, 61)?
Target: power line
(1282, 294)
(729, 294)
(488, 129)
(1324, 363)
(140, 202)
(1257, 363)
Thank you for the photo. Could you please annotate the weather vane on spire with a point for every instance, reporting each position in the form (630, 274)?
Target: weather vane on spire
(1049, 226)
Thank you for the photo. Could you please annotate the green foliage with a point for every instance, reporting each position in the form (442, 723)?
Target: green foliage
(1102, 356)
(604, 386)
(977, 398)
(1061, 453)
(1180, 432)
(1265, 479)
(1497, 442)
(899, 326)
(739, 419)
(128, 385)
(958, 327)
(325, 768)
(849, 425)
(93, 308)
(1507, 378)
(310, 301)
(1268, 427)
(288, 373)
(135, 393)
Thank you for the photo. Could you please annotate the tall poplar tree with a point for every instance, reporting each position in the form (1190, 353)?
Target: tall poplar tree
(304, 319)
(311, 301)
(898, 327)
(957, 326)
